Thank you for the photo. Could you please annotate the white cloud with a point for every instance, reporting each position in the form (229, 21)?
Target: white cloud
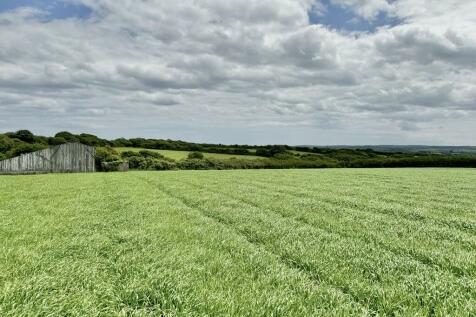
(187, 69)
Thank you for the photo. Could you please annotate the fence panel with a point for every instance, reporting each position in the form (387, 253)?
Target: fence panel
(69, 157)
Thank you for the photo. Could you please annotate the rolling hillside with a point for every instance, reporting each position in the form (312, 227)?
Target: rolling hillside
(181, 155)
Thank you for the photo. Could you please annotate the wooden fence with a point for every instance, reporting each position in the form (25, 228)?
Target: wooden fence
(65, 158)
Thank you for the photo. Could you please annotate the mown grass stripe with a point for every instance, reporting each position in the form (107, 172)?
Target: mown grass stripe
(317, 222)
(253, 240)
(267, 228)
(367, 205)
(326, 219)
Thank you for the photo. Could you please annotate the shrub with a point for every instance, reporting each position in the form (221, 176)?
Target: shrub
(161, 165)
(56, 141)
(25, 148)
(106, 154)
(111, 166)
(195, 155)
(148, 160)
(90, 139)
(128, 154)
(198, 164)
(25, 136)
(69, 137)
(6, 143)
(146, 153)
(136, 162)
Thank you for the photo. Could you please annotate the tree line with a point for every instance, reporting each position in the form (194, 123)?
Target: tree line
(268, 156)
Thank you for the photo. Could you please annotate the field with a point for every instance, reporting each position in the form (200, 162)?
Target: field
(337, 242)
(181, 155)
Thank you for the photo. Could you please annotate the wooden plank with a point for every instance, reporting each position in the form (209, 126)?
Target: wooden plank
(65, 158)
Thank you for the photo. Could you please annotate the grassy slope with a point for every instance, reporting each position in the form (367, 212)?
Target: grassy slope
(293, 243)
(179, 155)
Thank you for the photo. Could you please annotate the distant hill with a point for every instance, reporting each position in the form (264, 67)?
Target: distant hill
(407, 148)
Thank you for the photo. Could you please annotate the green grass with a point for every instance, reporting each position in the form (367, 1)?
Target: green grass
(338, 242)
(181, 155)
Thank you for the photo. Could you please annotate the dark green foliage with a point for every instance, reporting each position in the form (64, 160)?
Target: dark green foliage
(136, 162)
(25, 136)
(91, 140)
(128, 154)
(195, 155)
(25, 148)
(151, 154)
(148, 160)
(198, 164)
(273, 156)
(6, 143)
(159, 165)
(69, 137)
(272, 150)
(122, 142)
(56, 141)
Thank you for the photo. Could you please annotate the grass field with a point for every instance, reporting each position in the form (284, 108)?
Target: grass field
(337, 242)
(181, 155)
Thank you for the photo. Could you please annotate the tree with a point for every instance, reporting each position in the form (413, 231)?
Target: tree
(25, 136)
(56, 141)
(91, 140)
(68, 136)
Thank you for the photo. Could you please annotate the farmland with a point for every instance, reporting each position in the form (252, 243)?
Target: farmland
(181, 155)
(258, 243)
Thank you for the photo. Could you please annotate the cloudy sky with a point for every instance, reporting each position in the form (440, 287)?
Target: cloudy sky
(242, 71)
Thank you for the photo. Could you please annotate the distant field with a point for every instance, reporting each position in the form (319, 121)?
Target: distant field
(335, 242)
(179, 155)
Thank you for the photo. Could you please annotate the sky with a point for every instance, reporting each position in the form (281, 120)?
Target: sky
(293, 72)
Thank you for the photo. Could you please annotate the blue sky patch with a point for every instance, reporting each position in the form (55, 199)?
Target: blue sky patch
(56, 9)
(344, 19)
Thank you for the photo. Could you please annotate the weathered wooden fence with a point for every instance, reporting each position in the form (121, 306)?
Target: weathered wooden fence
(69, 157)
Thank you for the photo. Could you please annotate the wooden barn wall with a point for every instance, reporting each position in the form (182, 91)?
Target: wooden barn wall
(65, 158)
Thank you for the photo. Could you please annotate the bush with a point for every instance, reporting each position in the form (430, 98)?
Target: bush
(106, 154)
(135, 162)
(195, 155)
(69, 137)
(25, 136)
(6, 143)
(56, 141)
(90, 140)
(111, 166)
(128, 154)
(148, 160)
(25, 148)
(146, 154)
(161, 165)
(198, 164)
(272, 150)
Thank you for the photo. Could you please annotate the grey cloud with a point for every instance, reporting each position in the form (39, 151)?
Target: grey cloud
(159, 99)
(424, 46)
(138, 64)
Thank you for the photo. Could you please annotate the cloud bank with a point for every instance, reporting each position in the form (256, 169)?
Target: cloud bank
(243, 71)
